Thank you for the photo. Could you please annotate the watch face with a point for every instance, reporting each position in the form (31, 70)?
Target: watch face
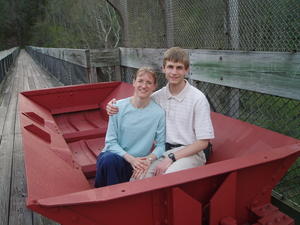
(172, 156)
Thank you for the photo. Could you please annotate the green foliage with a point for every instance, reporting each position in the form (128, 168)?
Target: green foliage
(58, 23)
(271, 112)
(16, 20)
(77, 24)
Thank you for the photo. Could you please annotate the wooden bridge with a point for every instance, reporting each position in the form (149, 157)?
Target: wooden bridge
(223, 68)
(25, 75)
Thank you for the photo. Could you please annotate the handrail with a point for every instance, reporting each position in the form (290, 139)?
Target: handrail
(74, 66)
(7, 52)
(7, 59)
(274, 73)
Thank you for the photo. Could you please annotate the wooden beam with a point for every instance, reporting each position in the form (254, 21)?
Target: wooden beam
(138, 57)
(274, 73)
(8, 52)
(104, 57)
(83, 57)
(75, 56)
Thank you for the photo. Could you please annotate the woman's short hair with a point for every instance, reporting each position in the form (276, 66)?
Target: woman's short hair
(143, 70)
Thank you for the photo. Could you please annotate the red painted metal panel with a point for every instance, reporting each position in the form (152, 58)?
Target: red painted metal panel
(43, 135)
(236, 138)
(268, 214)
(185, 209)
(223, 202)
(72, 98)
(60, 169)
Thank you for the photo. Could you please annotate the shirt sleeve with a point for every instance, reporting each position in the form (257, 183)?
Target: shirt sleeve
(155, 97)
(160, 137)
(203, 125)
(111, 138)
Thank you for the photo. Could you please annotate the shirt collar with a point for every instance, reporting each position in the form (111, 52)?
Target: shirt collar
(181, 95)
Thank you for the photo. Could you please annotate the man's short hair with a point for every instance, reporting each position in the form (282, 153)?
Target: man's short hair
(177, 54)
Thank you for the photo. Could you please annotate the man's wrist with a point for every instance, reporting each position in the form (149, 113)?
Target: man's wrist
(172, 157)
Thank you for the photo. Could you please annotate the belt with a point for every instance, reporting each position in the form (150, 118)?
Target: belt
(170, 146)
(207, 151)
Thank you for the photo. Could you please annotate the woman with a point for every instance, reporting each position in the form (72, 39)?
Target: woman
(131, 134)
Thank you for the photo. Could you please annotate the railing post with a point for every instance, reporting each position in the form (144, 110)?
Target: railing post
(169, 22)
(91, 70)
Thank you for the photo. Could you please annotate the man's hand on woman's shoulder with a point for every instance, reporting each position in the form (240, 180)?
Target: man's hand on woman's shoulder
(111, 109)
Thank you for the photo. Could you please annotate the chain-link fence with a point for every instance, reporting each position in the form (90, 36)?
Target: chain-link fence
(253, 25)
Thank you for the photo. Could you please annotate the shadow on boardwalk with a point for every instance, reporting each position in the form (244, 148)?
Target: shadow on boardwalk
(25, 75)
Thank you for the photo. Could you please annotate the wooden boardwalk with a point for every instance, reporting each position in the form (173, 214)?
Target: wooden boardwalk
(25, 75)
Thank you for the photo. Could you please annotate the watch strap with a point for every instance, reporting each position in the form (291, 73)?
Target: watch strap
(172, 157)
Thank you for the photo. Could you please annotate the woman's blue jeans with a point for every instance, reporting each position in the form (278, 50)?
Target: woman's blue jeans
(112, 169)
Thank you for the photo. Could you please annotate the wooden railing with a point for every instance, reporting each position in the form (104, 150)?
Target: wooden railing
(72, 66)
(7, 59)
(274, 73)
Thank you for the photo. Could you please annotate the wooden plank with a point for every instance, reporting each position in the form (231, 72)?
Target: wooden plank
(83, 57)
(31, 83)
(5, 53)
(75, 56)
(104, 57)
(138, 57)
(36, 76)
(18, 213)
(40, 220)
(6, 149)
(274, 73)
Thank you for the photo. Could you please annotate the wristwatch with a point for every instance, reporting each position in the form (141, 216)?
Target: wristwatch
(150, 159)
(172, 157)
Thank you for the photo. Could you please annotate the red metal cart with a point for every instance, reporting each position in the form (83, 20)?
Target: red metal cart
(63, 131)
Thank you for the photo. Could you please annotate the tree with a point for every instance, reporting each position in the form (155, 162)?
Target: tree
(77, 24)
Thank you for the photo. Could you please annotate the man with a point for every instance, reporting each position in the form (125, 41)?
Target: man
(188, 122)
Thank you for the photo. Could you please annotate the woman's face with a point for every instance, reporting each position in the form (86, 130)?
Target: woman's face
(144, 85)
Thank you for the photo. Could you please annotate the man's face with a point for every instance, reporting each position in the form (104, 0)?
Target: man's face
(175, 72)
